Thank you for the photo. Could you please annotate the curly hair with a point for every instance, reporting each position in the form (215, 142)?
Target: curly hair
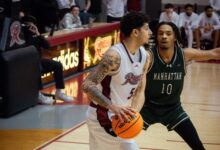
(179, 41)
(132, 20)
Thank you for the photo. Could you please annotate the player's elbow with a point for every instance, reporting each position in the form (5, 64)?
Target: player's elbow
(86, 86)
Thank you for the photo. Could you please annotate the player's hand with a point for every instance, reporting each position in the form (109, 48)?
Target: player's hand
(33, 28)
(122, 112)
(208, 28)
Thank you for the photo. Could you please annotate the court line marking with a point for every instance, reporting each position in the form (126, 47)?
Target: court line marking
(60, 136)
(206, 143)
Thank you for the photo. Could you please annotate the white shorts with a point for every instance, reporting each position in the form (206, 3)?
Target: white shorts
(99, 139)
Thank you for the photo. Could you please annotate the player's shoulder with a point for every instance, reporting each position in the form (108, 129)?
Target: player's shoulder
(110, 62)
(112, 53)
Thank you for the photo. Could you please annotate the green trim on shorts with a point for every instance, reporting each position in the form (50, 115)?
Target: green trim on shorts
(169, 116)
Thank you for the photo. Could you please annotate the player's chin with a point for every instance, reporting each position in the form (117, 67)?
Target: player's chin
(146, 41)
(164, 47)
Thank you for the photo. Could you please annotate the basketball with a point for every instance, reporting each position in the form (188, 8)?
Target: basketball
(129, 129)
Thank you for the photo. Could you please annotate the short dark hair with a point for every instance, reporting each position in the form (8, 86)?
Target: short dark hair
(168, 5)
(132, 20)
(188, 5)
(208, 7)
(71, 8)
(28, 18)
(179, 41)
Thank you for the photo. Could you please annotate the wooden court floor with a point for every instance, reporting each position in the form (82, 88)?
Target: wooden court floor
(200, 99)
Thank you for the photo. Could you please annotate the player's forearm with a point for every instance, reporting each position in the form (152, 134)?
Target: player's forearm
(200, 55)
(216, 53)
(138, 102)
(139, 98)
(88, 4)
(96, 95)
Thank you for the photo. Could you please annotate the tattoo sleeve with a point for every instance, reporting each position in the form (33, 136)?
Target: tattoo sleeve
(110, 62)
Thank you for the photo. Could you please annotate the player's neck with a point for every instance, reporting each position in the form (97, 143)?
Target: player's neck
(167, 54)
(131, 46)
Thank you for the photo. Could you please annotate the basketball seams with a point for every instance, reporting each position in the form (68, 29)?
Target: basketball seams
(116, 125)
(128, 130)
(130, 125)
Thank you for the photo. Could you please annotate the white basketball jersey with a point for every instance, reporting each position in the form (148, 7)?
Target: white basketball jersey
(121, 86)
(190, 22)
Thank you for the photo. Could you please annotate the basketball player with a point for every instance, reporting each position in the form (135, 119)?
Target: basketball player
(169, 15)
(188, 23)
(208, 27)
(117, 81)
(165, 80)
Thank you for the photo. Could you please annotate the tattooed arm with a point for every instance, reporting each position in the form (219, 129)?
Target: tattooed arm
(109, 63)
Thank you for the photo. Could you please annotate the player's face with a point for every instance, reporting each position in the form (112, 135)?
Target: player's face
(75, 11)
(144, 34)
(169, 10)
(209, 12)
(165, 37)
(189, 11)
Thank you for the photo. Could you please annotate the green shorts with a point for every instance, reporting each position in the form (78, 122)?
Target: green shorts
(170, 116)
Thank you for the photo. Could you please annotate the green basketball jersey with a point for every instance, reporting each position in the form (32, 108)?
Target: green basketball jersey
(165, 81)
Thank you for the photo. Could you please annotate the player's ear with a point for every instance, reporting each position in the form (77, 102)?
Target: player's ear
(135, 32)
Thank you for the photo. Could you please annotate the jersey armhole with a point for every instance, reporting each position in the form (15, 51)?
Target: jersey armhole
(152, 59)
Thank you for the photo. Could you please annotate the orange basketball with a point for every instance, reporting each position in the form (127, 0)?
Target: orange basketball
(129, 129)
